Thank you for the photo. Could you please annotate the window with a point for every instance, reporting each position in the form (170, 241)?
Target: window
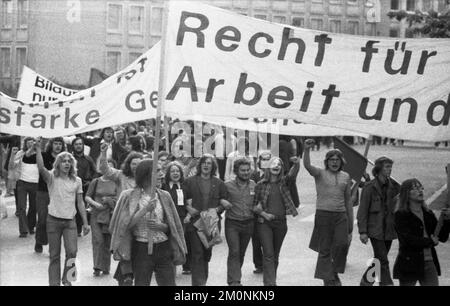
(298, 22)
(133, 56)
(279, 19)
(370, 29)
(410, 5)
(5, 62)
(260, 16)
(317, 24)
(113, 62)
(352, 2)
(136, 22)
(335, 26)
(7, 14)
(353, 27)
(114, 17)
(393, 33)
(21, 59)
(156, 26)
(22, 14)
(394, 5)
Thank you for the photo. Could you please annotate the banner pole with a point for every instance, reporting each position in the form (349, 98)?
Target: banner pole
(366, 152)
(166, 133)
(447, 205)
(161, 98)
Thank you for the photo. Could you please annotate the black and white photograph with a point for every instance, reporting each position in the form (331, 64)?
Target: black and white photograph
(225, 143)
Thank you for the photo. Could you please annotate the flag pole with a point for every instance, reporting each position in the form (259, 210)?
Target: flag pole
(366, 152)
(161, 98)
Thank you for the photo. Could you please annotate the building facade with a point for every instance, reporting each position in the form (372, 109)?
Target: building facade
(64, 39)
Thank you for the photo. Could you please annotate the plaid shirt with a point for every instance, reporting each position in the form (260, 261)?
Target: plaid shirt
(262, 191)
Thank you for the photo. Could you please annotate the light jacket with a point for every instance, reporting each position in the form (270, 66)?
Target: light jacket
(121, 234)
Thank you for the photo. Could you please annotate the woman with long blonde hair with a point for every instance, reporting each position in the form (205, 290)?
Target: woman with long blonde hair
(65, 191)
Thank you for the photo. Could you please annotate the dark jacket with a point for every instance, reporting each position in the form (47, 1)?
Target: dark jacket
(191, 187)
(376, 214)
(173, 193)
(410, 262)
(11, 141)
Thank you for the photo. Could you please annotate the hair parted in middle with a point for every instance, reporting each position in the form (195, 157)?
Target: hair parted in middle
(73, 168)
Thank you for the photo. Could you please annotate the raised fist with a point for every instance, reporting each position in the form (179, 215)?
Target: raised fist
(309, 143)
(103, 147)
(14, 150)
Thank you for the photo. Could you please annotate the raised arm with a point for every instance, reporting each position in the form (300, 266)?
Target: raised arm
(40, 161)
(309, 143)
(293, 172)
(349, 205)
(109, 173)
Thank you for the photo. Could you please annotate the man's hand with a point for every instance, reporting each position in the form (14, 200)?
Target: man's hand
(309, 143)
(267, 216)
(86, 229)
(364, 238)
(227, 205)
(435, 240)
(187, 219)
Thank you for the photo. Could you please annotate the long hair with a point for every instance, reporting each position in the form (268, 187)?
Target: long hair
(58, 160)
(49, 147)
(180, 168)
(268, 174)
(126, 169)
(143, 176)
(403, 203)
(75, 140)
(203, 159)
(24, 145)
(332, 153)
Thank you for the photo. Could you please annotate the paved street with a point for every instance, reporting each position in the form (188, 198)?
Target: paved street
(19, 265)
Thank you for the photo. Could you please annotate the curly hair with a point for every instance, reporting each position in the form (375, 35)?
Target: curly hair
(180, 168)
(240, 162)
(59, 159)
(203, 159)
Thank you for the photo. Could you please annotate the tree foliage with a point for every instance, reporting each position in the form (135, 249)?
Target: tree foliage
(432, 24)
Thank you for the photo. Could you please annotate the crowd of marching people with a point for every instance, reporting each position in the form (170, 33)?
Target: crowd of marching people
(69, 186)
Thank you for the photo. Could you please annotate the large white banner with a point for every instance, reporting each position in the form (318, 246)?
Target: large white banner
(130, 95)
(223, 63)
(37, 89)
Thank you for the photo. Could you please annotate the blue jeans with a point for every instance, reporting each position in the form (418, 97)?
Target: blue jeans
(27, 222)
(57, 228)
(200, 257)
(101, 242)
(271, 234)
(237, 234)
(42, 201)
(159, 262)
(380, 249)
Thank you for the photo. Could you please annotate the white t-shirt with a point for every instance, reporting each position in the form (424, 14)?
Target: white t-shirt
(63, 193)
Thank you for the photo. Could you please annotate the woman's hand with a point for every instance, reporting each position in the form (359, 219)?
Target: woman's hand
(157, 226)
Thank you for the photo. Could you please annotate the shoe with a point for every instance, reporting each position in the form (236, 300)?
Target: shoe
(38, 248)
(105, 272)
(16, 213)
(32, 232)
(67, 283)
(128, 281)
(23, 235)
(97, 272)
(337, 280)
(258, 271)
(186, 272)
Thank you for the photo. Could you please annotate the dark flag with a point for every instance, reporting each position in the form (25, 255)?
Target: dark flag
(96, 77)
(356, 163)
